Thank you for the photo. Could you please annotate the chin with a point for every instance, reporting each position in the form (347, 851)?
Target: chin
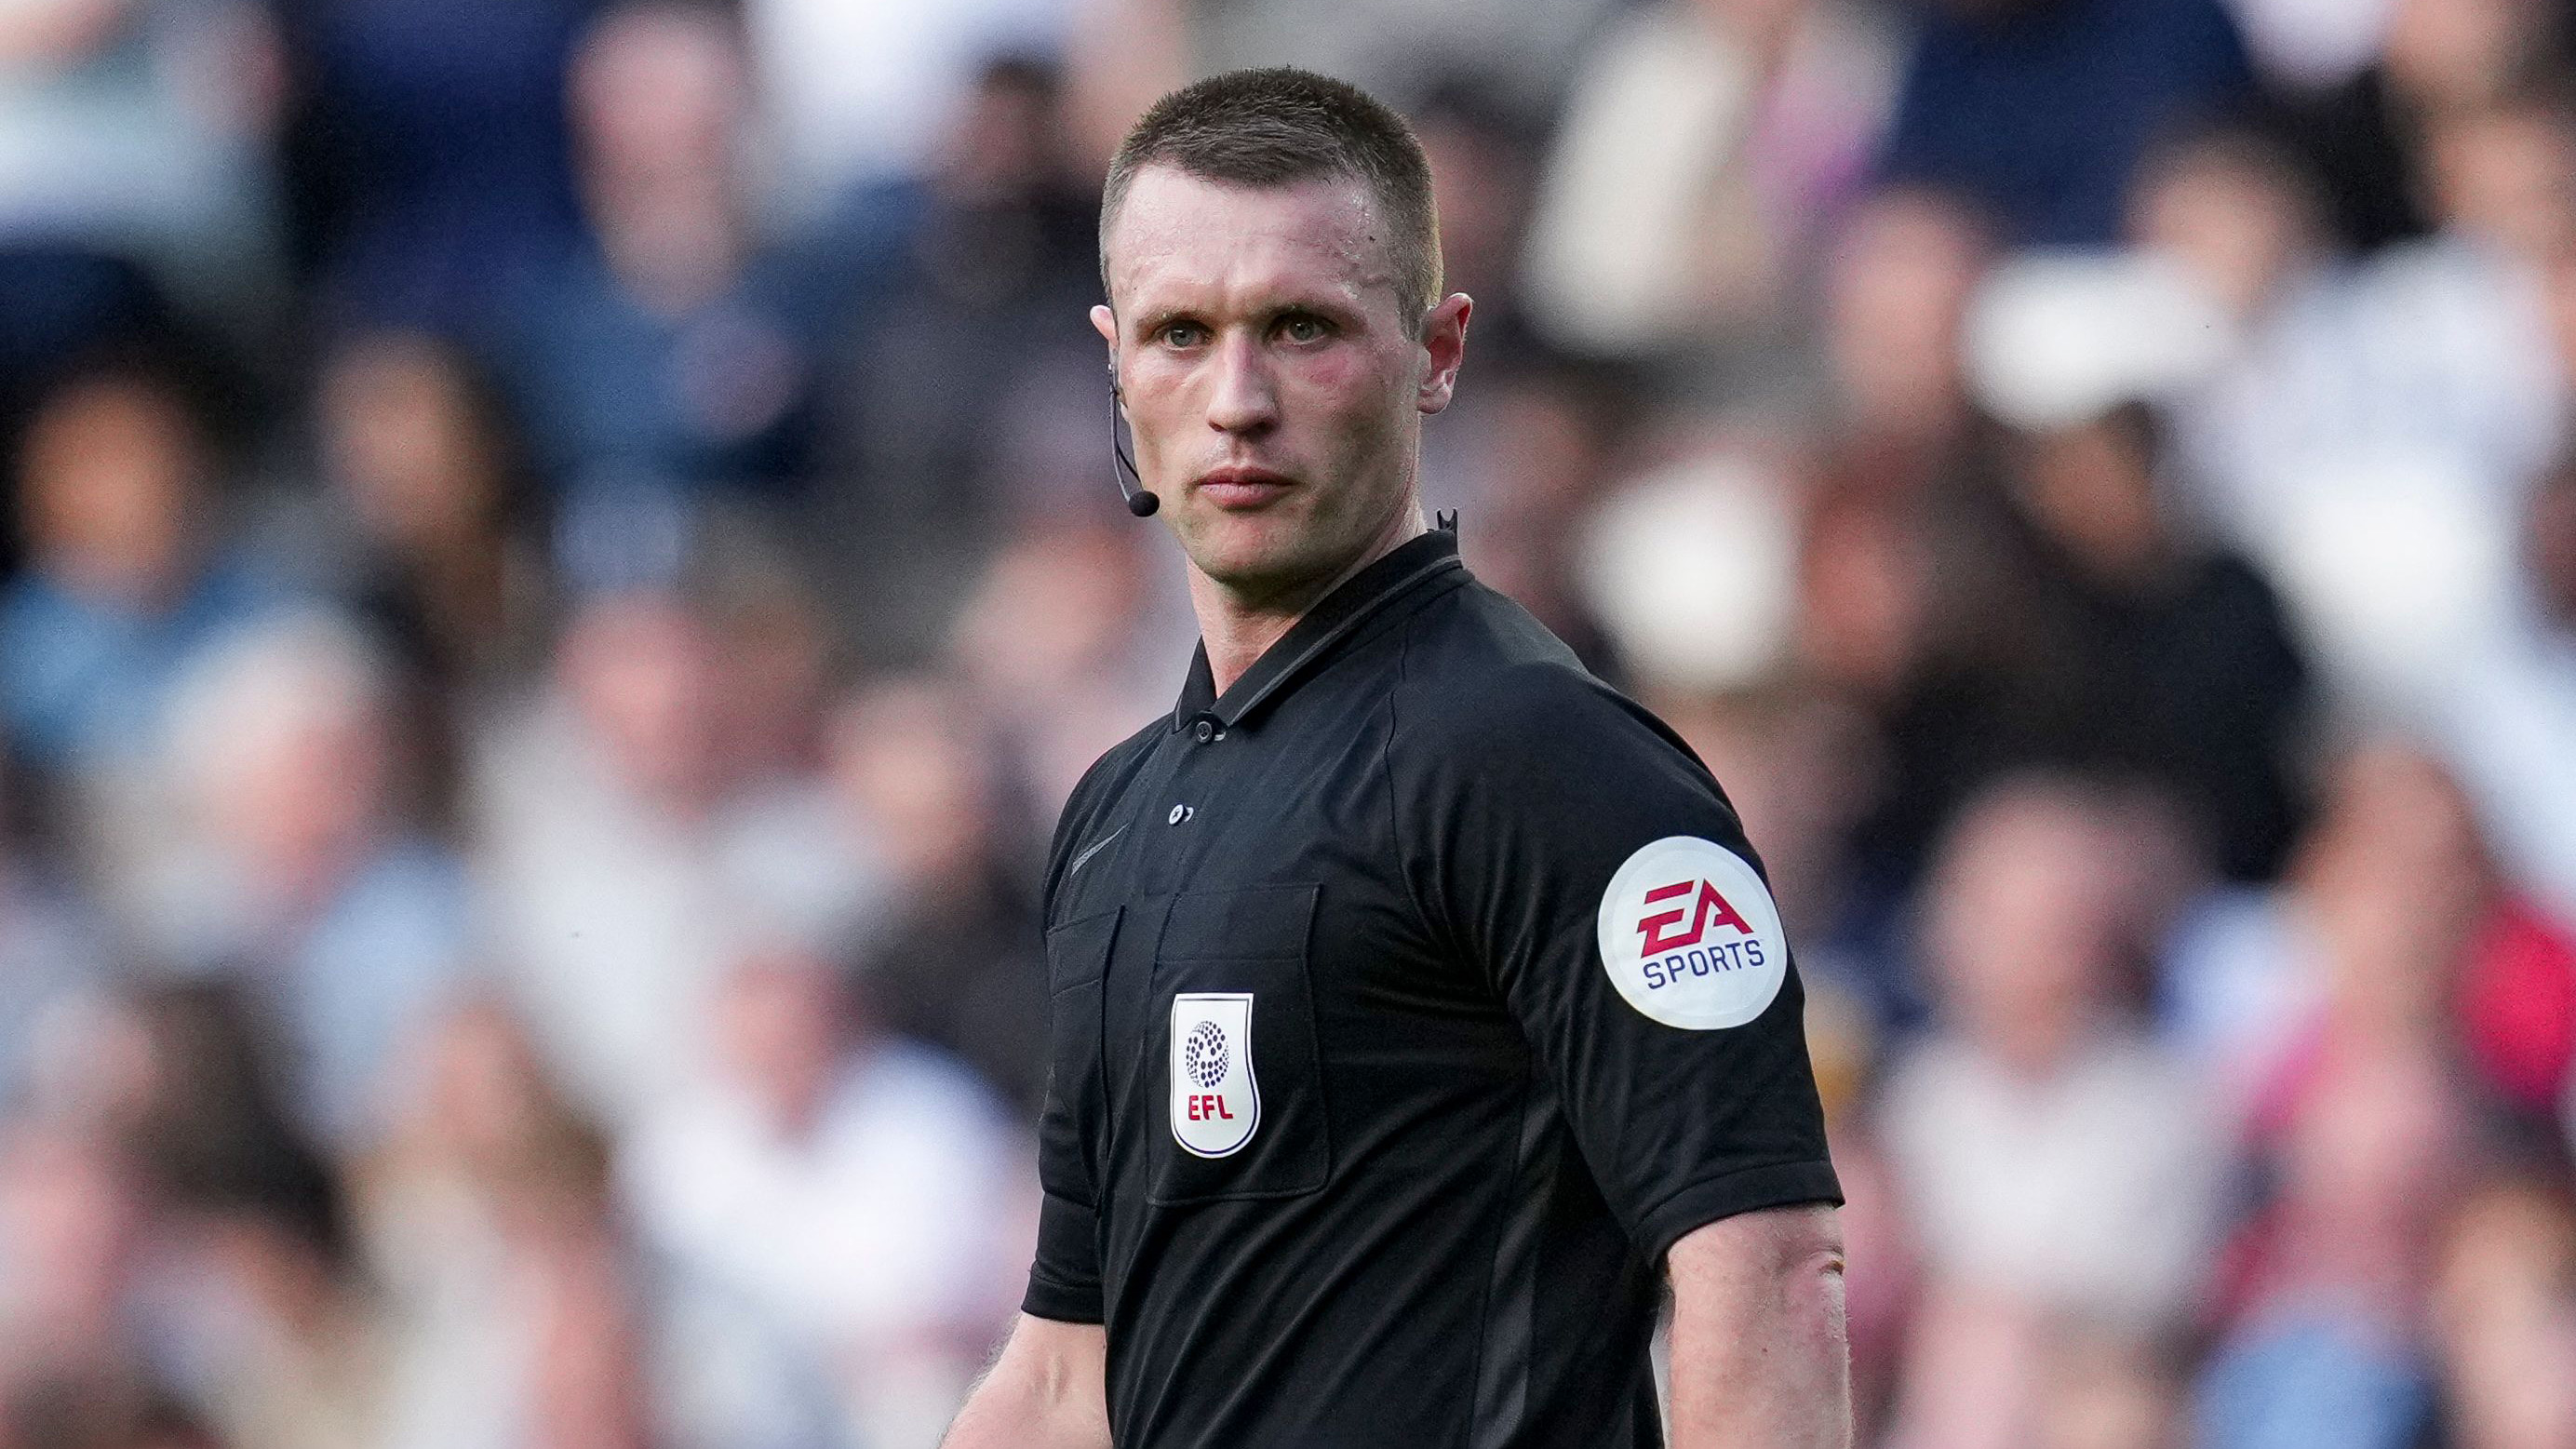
(1255, 559)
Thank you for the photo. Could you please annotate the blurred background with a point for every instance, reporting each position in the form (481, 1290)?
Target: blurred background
(562, 558)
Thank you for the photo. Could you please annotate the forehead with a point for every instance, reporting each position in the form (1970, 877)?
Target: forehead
(1179, 239)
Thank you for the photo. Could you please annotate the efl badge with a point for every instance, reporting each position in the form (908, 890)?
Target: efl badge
(1215, 1102)
(1690, 936)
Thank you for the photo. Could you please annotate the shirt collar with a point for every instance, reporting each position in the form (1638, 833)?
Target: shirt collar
(1313, 638)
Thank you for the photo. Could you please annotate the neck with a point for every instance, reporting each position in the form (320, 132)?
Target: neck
(1239, 628)
(676, 241)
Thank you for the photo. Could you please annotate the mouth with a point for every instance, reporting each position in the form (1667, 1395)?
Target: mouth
(1238, 487)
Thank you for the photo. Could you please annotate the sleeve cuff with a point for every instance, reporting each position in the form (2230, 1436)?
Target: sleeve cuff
(1062, 1302)
(1064, 1277)
(1744, 1190)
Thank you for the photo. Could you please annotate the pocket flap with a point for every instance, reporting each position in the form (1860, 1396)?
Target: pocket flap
(1078, 951)
(1265, 922)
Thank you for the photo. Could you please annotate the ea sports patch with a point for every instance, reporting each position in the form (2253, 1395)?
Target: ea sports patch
(1215, 1102)
(1690, 937)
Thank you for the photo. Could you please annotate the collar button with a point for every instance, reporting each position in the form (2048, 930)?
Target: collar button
(1206, 731)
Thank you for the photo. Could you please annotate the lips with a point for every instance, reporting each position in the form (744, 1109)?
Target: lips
(1241, 487)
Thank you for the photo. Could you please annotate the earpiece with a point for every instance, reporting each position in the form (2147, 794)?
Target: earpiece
(1141, 501)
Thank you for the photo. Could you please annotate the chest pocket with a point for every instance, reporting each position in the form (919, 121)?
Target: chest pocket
(1234, 1051)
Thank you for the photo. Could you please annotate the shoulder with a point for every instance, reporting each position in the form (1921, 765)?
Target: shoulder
(1481, 680)
(2230, 580)
(1111, 770)
(1474, 649)
(31, 605)
(1098, 786)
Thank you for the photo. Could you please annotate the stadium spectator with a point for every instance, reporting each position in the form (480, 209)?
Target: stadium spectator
(302, 867)
(505, 778)
(1056, 644)
(2504, 1322)
(2243, 223)
(2453, 397)
(629, 858)
(428, 170)
(951, 963)
(131, 134)
(2516, 703)
(1523, 472)
(2040, 109)
(1895, 294)
(52, 946)
(2365, 1119)
(475, 1173)
(425, 529)
(1705, 146)
(2061, 1169)
(860, 95)
(673, 353)
(2191, 678)
(127, 568)
(1482, 175)
(73, 1218)
(2363, 136)
(273, 1330)
(523, 1311)
(964, 394)
(863, 1191)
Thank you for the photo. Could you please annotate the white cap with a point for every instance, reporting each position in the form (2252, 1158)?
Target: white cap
(2057, 338)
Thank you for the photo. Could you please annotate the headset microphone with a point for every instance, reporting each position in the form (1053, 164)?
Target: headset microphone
(1142, 501)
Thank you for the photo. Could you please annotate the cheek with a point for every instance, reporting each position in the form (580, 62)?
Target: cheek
(1350, 396)
(1161, 410)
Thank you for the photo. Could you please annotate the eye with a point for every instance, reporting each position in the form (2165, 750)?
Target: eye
(1304, 327)
(1181, 334)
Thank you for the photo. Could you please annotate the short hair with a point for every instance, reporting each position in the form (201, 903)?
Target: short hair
(1279, 126)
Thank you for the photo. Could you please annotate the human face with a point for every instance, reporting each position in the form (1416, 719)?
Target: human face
(1274, 375)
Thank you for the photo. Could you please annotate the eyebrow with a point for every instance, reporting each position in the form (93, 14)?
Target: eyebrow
(1155, 321)
(1331, 309)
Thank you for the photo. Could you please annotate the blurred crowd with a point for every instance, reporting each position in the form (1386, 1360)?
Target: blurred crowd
(562, 558)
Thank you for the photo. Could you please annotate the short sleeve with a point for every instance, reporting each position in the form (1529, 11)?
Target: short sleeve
(1576, 852)
(1064, 1281)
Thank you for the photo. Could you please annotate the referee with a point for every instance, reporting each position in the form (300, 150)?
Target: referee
(1418, 1006)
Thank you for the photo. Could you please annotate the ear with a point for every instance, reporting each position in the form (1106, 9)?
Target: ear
(1105, 322)
(1444, 346)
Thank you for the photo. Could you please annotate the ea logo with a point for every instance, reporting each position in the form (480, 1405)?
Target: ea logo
(1708, 903)
(1215, 1102)
(1690, 937)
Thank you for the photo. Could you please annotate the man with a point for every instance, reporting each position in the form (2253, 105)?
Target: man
(1416, 1001)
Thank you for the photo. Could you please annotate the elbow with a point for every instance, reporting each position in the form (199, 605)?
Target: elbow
(1788, 1261)
(1816, 1249)
(1760, 1346)
(1808, 1268)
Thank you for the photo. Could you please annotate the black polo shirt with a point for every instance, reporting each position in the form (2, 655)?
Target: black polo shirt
(1409, 1001)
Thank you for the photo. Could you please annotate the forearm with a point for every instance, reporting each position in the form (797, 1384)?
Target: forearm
(1760, 1358)
(1002, 1417)
(1044, 1392)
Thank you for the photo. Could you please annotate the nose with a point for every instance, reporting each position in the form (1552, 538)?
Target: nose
(1244, 398)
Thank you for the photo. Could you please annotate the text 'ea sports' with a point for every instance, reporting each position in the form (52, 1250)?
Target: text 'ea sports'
(1674, 953)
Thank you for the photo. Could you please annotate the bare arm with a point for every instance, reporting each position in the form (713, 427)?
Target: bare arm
(1044, 1392)
(1759, 1355)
